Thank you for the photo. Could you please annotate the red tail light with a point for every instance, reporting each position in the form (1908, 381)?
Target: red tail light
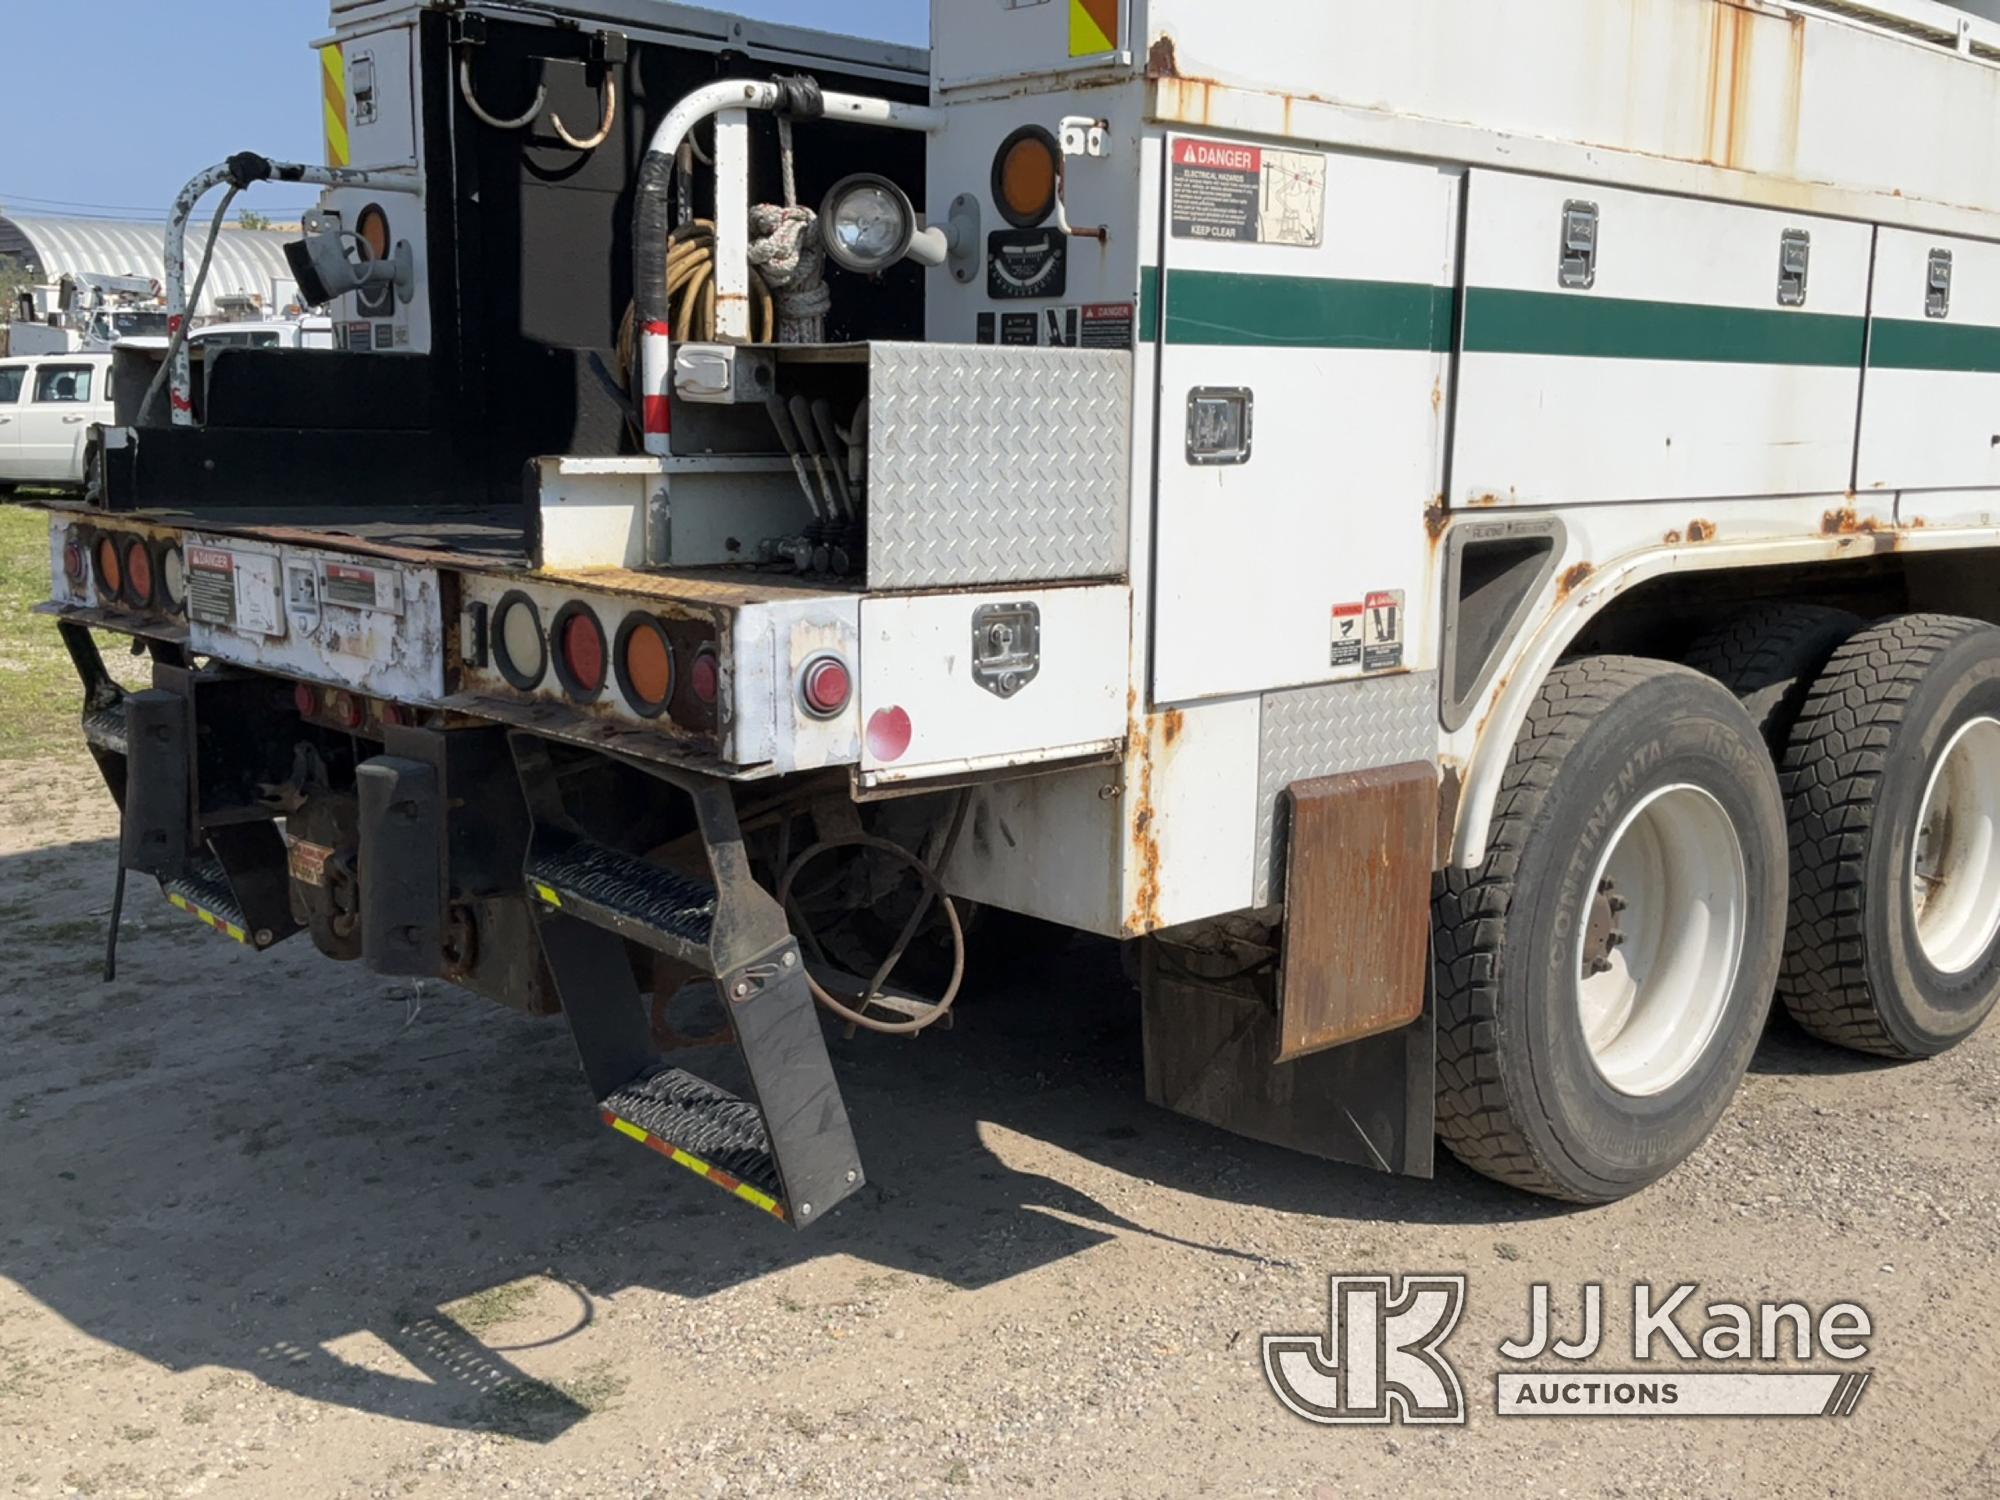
(580, 653)
(826, 686)
(705, 676)
(139, 575)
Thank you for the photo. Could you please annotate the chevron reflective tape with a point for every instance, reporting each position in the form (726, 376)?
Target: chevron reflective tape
(221, 924)
(333, 67)
(1093, 27)
(694, 1164)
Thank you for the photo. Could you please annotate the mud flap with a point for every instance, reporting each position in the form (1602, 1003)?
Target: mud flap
(1209, 1051)
(1324, 1041)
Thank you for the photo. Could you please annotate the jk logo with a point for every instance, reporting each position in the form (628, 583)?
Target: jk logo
(1380, 1359)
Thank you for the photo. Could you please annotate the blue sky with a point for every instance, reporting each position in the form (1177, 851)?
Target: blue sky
(107, 133)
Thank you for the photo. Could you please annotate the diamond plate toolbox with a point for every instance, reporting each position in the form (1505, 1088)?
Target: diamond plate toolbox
(989, 464)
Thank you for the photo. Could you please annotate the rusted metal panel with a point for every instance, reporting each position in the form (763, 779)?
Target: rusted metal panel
(1357, 906)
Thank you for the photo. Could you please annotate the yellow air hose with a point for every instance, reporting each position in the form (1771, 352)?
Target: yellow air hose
(691, 295)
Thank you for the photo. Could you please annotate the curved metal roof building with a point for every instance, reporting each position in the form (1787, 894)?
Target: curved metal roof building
(247, 261)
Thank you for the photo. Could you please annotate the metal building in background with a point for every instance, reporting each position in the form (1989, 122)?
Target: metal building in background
(248, 262)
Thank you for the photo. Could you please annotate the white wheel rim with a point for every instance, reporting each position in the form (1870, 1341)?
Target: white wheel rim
(1653, 995)
(1955, 856)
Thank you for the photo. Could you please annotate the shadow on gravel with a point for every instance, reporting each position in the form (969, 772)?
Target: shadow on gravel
(239, 1160)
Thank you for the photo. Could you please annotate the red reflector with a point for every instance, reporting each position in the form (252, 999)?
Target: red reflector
(395, 714)
(305, 699)
(826, 686)
(73, 562)
(139, 574)
(349, 710)
(888, 734)
(582, 646)
(705, 676)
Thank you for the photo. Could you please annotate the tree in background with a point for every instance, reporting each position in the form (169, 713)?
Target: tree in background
(251, 219)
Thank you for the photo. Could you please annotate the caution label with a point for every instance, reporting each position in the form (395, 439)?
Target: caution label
(1382, 634)
(1226, 191)
(1348, 627)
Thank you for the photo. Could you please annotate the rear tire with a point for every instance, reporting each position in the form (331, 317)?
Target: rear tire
(1892, 789)
(1769, 656)
(1652, 773)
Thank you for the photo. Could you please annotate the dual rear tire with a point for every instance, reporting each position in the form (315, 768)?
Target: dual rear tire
(1653, 876)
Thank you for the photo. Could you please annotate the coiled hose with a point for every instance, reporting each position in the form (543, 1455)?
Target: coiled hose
(691, 295)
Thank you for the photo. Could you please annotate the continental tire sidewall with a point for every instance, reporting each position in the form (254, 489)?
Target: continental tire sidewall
(1598, 1142)
(1924, 1010)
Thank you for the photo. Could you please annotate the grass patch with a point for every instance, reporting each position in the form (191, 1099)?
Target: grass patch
(40, 699)
(487, 1310)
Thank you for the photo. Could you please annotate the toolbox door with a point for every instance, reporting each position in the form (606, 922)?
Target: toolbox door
(1303, 318)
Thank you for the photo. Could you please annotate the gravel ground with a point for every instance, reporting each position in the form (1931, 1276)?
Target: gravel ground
(272, 1227)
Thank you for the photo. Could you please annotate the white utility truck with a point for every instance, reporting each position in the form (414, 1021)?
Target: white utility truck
(1468, 526)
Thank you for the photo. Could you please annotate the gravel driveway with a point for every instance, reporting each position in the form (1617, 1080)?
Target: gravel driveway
(270, 1226)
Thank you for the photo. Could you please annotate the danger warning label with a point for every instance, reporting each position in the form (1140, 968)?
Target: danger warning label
(1347, 631)
(1225, 191)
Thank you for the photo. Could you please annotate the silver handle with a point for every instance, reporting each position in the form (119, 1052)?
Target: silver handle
(72, 421)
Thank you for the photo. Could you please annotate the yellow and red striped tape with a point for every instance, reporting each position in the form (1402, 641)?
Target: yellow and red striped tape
(694, 1164)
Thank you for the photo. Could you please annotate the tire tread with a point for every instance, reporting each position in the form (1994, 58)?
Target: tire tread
(1476, 1119)
(1830, 775)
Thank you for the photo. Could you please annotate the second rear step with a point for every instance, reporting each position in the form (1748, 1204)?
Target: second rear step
(787, 1148)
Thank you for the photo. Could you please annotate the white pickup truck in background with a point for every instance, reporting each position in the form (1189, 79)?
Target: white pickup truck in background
(48, 404)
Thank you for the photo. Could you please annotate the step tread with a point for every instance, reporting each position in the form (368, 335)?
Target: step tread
(710, 1124)
(647, 895)
(105, 727)
(204, 889)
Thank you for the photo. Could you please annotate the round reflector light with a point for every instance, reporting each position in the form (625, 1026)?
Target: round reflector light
(580, 653)
(889, 732)
(1024, 176)
(305, 698)
(518, 648)
(73, 562)
(110, 572)
(173, 577)
(139, 574)
(705, 676)
(349, 709)
(645, 662)
(825, 686)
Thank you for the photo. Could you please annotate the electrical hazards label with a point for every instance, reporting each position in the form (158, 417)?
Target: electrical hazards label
(234, 589)
(1226, 191)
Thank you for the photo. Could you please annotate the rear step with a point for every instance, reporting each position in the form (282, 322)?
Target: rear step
(202, 890)
(787, 1148)
(653, 906)
(703, 1128)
